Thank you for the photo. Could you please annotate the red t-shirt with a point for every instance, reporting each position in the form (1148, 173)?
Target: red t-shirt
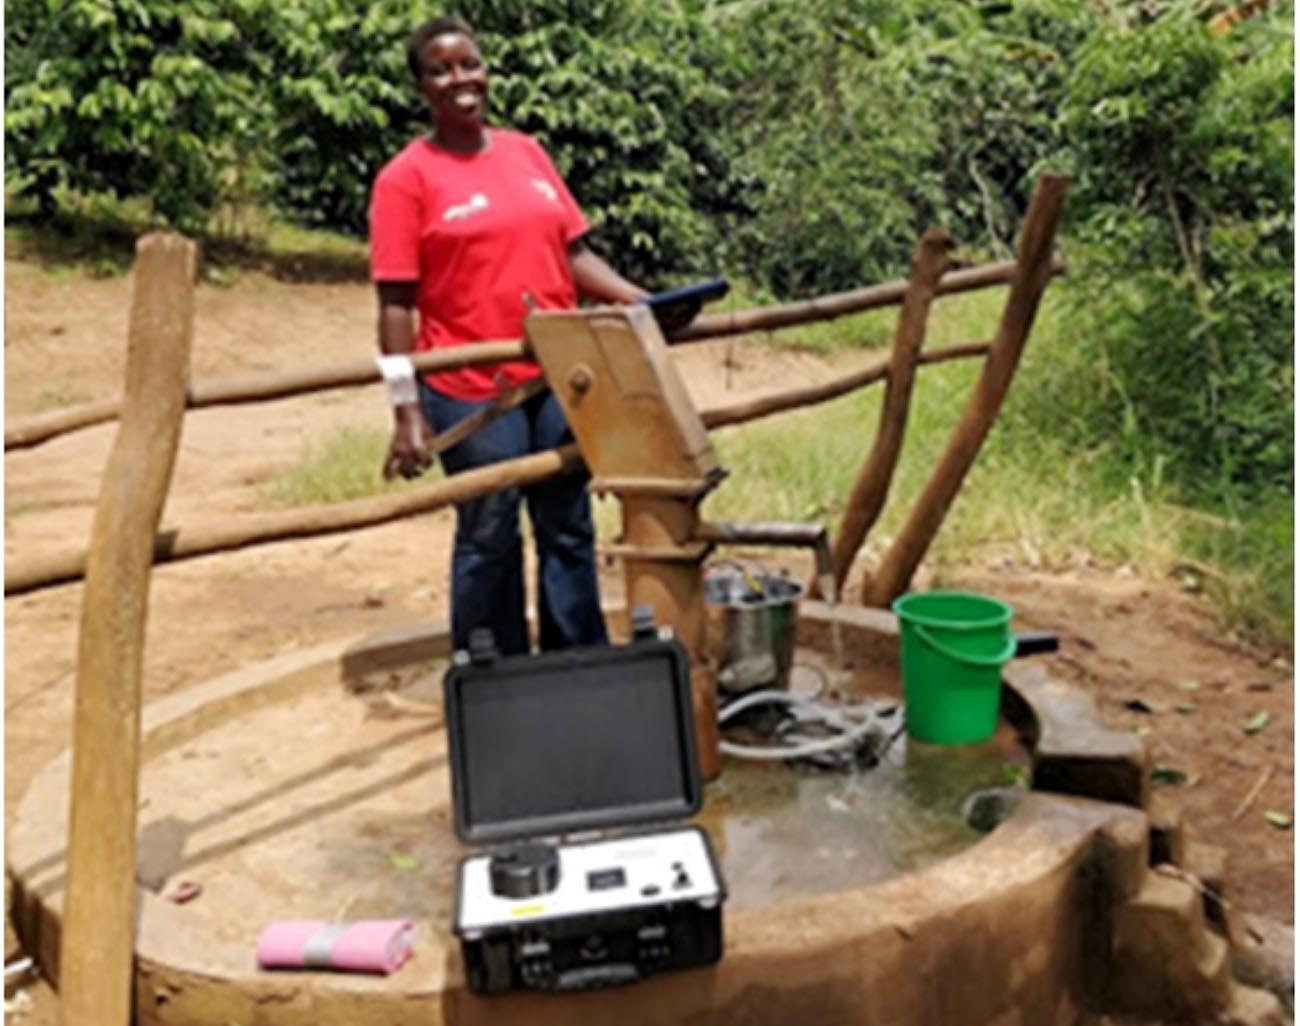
(477, 231)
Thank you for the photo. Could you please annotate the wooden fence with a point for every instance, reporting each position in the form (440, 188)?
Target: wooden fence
(1027, 276)
(98, 932)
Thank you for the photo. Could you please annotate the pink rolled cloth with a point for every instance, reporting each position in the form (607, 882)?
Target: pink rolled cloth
(364, 946)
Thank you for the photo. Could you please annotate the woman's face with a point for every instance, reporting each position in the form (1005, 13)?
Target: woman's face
(455, 81)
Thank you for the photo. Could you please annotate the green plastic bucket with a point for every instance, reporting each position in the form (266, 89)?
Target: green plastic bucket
(953, 645)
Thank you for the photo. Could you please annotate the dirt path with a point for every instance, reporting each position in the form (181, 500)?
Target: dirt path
(1126, 639)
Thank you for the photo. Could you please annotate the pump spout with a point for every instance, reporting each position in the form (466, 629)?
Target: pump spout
(779, 533)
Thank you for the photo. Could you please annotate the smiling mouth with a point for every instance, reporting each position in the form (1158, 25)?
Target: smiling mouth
(467, 98)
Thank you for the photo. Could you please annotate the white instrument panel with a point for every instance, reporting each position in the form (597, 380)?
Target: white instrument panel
(597, 876)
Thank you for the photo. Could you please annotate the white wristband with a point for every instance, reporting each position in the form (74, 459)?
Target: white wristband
(399, 376)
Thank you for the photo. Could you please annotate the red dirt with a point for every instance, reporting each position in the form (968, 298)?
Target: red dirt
(1124, 638)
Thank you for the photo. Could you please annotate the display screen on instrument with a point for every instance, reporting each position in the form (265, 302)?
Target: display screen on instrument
(606, 879)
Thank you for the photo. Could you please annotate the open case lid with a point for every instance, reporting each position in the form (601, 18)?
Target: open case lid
(570, 741)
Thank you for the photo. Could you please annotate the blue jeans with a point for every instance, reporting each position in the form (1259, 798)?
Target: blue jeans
(487, 576)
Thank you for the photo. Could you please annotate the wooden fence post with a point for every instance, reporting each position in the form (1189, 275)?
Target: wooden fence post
(97, 950)
(1033, 271)
(929, 264)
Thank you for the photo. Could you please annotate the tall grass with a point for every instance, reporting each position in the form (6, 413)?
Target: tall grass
(1031, 494)
(342, 466)
(1245, 560)
(1032, 500)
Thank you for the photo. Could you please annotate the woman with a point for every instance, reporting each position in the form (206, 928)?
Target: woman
(470, 226)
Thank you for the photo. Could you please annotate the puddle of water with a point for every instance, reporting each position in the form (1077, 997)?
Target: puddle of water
(353, 818)
(781, 830)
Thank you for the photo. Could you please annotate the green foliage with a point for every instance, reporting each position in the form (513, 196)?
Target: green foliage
(344, 103)
(1180, 152)
(201, 105)
(866, 121)
(131, 98)
(815, 120)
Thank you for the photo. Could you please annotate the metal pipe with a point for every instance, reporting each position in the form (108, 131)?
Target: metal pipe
(779, 533)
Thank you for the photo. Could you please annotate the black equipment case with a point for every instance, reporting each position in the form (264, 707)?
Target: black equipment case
(548, 755)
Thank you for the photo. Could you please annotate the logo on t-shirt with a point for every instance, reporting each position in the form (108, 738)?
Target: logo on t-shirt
(477, 204)
(545, 188)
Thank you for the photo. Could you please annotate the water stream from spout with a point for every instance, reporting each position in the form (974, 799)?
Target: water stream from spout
(827, 585)
(831, 594)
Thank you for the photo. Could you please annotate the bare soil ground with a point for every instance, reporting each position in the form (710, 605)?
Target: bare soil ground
(1150, 653)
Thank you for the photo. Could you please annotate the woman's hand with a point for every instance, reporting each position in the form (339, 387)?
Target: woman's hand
(408, 452)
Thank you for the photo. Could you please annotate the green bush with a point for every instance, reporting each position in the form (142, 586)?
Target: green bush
(156, 99)
(199, 104)
(1179, 148)
(864, 122)
(344, 104)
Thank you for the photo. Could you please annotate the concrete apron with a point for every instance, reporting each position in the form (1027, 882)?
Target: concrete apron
(1054, 911)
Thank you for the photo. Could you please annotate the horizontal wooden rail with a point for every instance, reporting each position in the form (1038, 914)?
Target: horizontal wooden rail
(25, 575)
(30, 431)
(765, 406)
(259, 528)
(841, 304)
(280, 384)
(259, 387)
(41, 427)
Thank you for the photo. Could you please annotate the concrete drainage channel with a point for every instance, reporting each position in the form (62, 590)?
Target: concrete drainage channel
(315, 786)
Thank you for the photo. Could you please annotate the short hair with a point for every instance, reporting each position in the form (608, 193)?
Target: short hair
(440, 26)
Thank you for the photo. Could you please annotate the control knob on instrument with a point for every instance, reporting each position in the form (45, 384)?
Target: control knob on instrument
(525, 872)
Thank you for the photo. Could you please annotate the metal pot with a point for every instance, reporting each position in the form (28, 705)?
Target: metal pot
(753, 616)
